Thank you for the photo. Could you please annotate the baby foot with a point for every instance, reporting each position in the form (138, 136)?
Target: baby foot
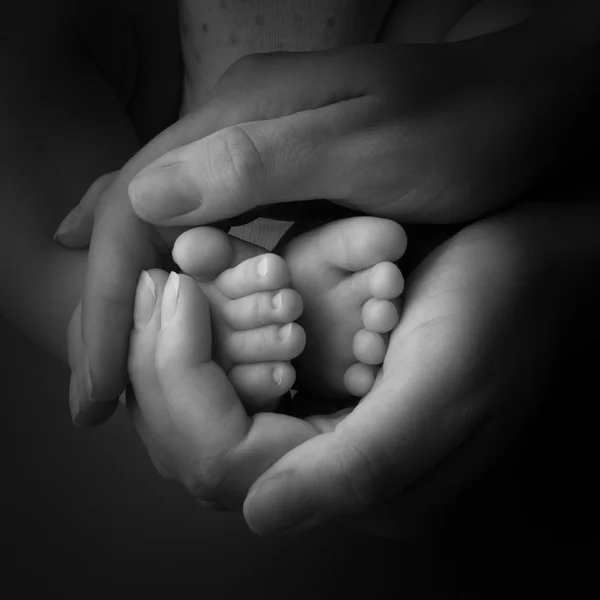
(349, 285)
(252, 311)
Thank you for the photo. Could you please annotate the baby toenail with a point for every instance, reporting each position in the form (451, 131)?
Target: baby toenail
(284, 332)
(278, 300)
(278, 375)
(263, 267)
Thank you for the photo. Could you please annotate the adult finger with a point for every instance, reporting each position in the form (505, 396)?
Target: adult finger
(308, 155)
(283, 151)
(217, 450)
(121, 247)
(80, 383)
(147, 408)
(75, 231)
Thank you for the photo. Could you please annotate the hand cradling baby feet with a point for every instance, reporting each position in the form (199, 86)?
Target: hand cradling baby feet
(344, 275)
(342, 272)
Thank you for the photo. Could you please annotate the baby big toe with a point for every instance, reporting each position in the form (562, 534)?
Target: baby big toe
(385, 281)
(380, 316)
(262, 308)
(267, 272)
(260, 385)
(369, 347)
(269, 343)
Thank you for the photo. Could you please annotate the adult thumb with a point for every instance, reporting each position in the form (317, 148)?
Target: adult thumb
(333, 480)
(402, 429)
(75, 231)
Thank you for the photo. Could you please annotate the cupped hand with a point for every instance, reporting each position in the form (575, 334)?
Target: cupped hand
(461, 376)
(458, 383)
(183, 404)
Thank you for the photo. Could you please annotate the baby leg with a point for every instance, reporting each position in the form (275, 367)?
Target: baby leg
(216, 33)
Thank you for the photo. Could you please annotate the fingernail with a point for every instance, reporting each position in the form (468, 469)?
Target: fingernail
(263, 267)
(163, 193)
(80, 389)
(68, 223)
(145, 299)
(277, 505)
(87, 374)
(285, 331)
(170, 298)
(278, 375)
(278, 300)
(74, 404)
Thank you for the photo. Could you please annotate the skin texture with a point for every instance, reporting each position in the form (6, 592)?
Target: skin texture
(445, 175)
(355, 487)
(485, 294)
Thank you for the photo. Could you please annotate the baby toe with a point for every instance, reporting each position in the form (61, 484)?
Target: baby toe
(359, 379)
(380, 316)
(269, 343)
(385, 281)
(260, 273)
(369, 347)
(262, 308)
(203, 252)
(260, 385)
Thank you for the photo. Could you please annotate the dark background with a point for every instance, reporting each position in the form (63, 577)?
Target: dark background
(85, 515)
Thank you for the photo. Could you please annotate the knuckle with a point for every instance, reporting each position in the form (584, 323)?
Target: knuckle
(242, 89)
(94, 193)
(103, 193)
(205, 482)
(247, 65)
(200, 481)
(236, 160)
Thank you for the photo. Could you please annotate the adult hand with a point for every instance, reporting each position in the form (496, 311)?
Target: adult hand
(424, 133)
(183, 405)
(458, 382)
(461, 376)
